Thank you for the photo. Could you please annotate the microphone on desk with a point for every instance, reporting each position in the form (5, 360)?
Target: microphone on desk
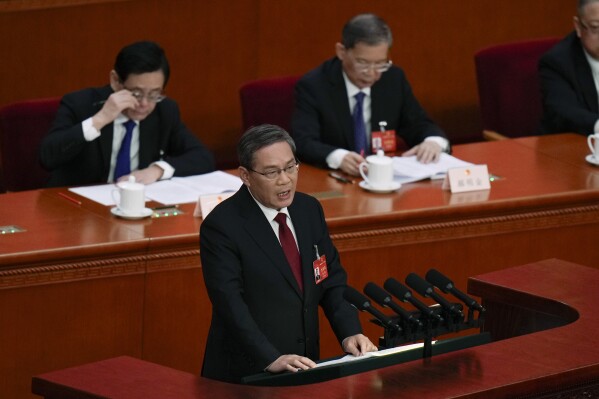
(442, 282)
(402, 293)
(384, 299)
(360, 302)
(427, 290)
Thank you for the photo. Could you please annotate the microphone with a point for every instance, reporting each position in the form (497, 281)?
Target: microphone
(440, 281)
(381, 297)
(427, 290)
(402, 293)
(360, 302)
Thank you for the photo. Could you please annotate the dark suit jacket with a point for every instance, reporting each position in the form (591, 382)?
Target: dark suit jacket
(322, 121)
(74, 161)
(258, 312)
(569, 96)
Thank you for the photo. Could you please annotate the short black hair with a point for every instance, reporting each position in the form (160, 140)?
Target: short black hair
(258, 137)
(366, 28)
(141, 57)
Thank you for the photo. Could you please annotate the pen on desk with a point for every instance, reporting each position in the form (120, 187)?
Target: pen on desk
(340, 178)
(63, 195)
(159, 208)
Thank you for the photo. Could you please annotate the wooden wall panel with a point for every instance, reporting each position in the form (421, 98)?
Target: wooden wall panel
(215, 46)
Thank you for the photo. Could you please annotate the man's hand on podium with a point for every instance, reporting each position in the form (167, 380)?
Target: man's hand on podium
(290, 363)
(358, 345)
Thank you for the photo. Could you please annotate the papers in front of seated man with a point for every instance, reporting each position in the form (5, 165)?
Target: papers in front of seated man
(178, 190)
(384, 352)
(408, 169)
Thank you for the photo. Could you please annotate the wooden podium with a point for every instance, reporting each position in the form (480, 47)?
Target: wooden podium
(544, 315)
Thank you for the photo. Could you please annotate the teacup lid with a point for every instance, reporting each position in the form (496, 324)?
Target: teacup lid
(130, 184)
(379, 158)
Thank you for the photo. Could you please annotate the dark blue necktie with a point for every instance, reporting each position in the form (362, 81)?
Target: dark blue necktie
(123, 158)
(360, 141)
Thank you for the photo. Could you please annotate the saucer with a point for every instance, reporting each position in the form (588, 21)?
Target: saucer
(143, 214)
(591, 159)
(381, 190)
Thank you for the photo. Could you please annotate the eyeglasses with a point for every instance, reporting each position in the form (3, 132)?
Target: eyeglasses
(592, 29)
(379, 67)
(273, 174)
(152, 97)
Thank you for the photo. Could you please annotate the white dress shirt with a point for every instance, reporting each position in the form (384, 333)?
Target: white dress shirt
(91, 133)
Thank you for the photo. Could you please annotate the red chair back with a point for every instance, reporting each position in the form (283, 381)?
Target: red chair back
(509, 88)
(268, 101)
(22, 127)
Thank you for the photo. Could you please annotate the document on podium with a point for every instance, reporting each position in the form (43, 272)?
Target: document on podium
(409, 169)
(384, 352)
(178, 190)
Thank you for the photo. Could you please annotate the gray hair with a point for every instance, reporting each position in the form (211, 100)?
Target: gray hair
(583, 3)
(258, 137)
(366, 28)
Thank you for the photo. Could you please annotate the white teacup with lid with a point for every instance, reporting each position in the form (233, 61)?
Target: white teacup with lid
(130, 197)
(380, 171)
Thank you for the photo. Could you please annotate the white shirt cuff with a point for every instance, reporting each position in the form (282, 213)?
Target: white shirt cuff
(335, 158)
(90, 133)
(443, 142)
(167, 170)
(596, 128)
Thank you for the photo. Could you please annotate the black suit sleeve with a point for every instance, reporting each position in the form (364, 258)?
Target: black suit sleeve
(65, 141)
(224, 278)
(564, 106)
(183, 151)
(308, 124)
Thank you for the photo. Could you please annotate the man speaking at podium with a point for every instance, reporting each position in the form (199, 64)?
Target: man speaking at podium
(268, 263)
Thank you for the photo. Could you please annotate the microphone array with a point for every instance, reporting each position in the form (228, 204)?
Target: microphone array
(423, 322)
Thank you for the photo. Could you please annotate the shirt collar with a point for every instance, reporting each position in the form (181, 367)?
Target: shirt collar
(592, 62)
(269, 213)
(351, 88)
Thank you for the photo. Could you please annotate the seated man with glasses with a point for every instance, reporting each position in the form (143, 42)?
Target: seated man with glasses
(569, 75)
(126, 128)
(358, 102)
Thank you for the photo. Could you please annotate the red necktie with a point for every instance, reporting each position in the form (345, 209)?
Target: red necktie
(290, 249)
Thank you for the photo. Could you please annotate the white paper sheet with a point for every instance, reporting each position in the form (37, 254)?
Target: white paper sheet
(178, 190)
(408, 169)
(384, 352)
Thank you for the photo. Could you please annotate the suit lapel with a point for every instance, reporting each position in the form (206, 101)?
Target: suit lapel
(584, 76)
(305, 245)
(340, 103)
(260, 230)
(149, 131)
(106, 137)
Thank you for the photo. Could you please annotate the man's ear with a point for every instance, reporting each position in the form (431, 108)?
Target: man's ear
(577, 26)
(115, 81)
(244, 174)
(340, 50)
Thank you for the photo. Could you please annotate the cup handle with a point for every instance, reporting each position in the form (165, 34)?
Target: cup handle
(114, 197)
(361, 169)
(590, 142)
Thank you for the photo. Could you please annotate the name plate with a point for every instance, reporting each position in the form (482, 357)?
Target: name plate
(467, 178)
(206, 203)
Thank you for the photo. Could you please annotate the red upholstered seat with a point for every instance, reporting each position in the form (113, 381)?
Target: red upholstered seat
(268, 101)
(509, 87)
(22, 127)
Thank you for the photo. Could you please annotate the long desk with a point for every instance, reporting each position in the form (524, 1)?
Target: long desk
(552, 363)
(81, 285)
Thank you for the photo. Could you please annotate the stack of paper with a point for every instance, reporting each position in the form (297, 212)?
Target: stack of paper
(178, 190)
(408, 169)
